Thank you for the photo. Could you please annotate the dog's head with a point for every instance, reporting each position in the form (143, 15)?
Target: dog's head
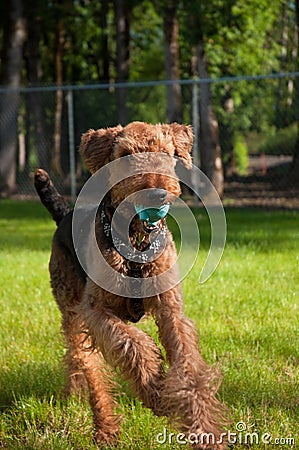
(155, 185)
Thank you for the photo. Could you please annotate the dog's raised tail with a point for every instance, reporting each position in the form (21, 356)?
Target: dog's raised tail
(50, 197)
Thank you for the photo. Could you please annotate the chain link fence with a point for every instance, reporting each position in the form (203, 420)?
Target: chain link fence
(257, 118)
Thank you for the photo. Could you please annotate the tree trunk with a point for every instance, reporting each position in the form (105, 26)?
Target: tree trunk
(13, 41)
(283, 59)
(104, 42)
(122, 25)
(34, 105)
(210, 151)
(226, 134)
(56, 160)
(295, 165)
(171, 52)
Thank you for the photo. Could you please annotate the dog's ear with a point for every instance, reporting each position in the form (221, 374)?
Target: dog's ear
(183, 141)
(96, 146)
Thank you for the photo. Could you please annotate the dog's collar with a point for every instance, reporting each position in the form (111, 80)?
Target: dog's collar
(134, 261)
(131, 254)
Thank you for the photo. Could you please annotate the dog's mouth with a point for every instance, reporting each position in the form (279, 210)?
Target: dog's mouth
(151, 217)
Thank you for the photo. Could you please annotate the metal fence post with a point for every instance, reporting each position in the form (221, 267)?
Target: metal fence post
(70, 104)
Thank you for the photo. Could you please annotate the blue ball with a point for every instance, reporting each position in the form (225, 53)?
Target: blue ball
(152, 215)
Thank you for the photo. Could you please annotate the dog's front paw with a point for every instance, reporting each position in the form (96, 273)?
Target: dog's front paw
(106, 437)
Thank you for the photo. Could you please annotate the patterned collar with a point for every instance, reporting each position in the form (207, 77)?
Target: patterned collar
(126, 249)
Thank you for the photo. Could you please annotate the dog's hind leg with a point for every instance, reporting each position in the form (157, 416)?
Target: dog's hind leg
(86, 372)
(75, 342)
(128, 348)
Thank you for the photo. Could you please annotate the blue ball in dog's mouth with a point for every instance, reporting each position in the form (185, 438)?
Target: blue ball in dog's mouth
(151, 216)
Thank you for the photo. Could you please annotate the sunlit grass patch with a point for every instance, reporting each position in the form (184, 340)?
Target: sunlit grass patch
(246, 315)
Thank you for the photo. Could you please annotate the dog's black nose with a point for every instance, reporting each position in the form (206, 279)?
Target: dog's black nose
(156, 196)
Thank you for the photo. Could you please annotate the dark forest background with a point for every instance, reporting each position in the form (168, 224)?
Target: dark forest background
(73, 42)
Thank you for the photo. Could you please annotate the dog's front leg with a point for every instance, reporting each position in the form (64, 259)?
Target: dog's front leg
(188, 394)
(127, 348)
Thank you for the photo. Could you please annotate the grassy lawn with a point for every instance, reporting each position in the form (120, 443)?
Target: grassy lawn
(247, 315)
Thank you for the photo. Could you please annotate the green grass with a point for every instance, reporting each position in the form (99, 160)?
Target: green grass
(247, 316)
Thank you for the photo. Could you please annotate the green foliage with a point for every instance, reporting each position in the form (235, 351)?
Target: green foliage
(244, 38)
(147, 40)
(237, 34)
(148, 104)
(244, 321)
(281, 142)
(240, 152)
(240, 38)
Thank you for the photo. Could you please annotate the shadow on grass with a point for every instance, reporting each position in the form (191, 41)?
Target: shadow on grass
(28, 225)
(25, 226)
(44, 381)
(22, 210)
(31, 240)
(258, 229)
(30, 379)
(262, 230)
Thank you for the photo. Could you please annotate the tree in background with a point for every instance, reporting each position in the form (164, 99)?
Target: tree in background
(104, 49)
(35, 111)
(240, 39)
(84, 42)
(169, 11)
(60, 42)
(122, 10)
(197, 31)
(12, 58)
(295, 165)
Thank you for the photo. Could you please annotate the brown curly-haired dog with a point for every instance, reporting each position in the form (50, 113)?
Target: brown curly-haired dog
(183, 386)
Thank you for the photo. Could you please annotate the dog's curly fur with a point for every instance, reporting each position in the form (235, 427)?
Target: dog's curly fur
(183, 386)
